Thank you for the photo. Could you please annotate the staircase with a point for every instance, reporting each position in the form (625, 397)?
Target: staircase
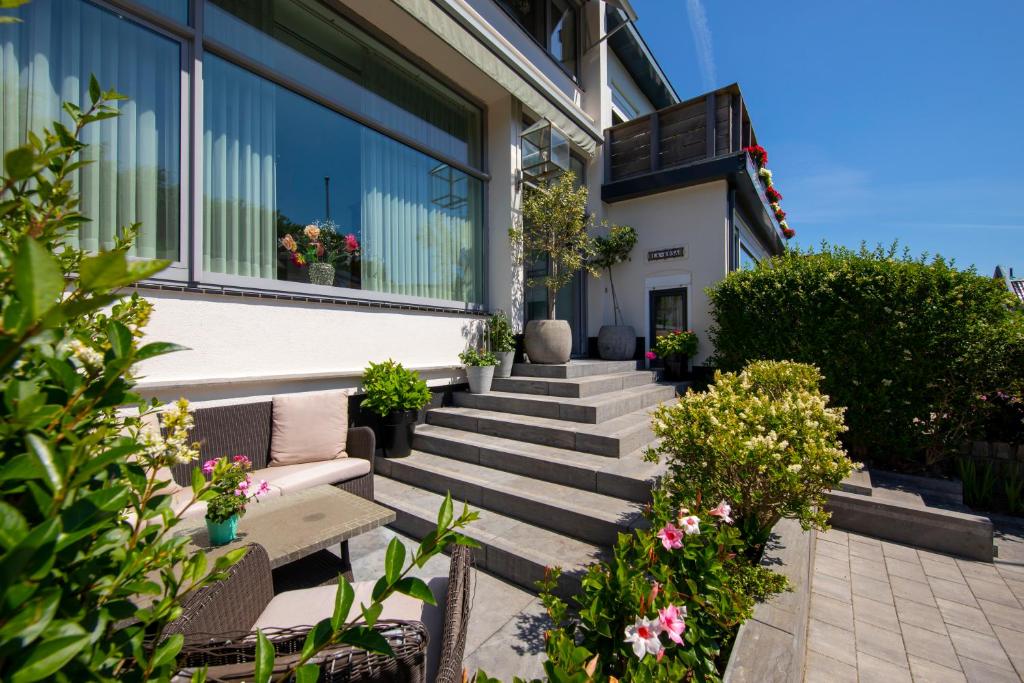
(552, 459)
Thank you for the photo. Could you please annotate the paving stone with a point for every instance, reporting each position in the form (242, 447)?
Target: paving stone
(954, 592)
(865, 550)
(981, 672)
(979, 570)
(924, 671)
(869, 568)
(908, 570)
(956, 614)
(870, 588)
(879, 642)
(864, 540)
(922, 616)
(979, 646)
(880, 614)
(942, 570)
(912, 590)
(929, 645)
(834, 536)
(832, 587)
(832, 641)
(831, 566)
(832, 611)
(1003, 615)
(874, 670)
(832, 550)
(932, 556)
(993, 592)
(821, 669)
(1013, 642)
(516, 648)
(899, 552)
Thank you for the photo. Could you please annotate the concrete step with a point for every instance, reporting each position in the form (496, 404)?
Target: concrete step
(573, 369)
(584, 515)
(592, 410)
(628, 477)
(574, 387)
(511, 549)
(613, 438)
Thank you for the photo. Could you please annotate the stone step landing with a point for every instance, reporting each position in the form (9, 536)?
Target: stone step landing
(591, 410)
(573, 369)
(574, 387)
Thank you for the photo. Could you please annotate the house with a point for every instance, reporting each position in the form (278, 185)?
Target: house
(400, 124)
(1013, 283)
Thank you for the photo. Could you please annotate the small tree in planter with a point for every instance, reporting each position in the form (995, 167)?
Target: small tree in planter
(396, 395)
(503, 343)
(555, 227)
(479, 369)
(615, 342)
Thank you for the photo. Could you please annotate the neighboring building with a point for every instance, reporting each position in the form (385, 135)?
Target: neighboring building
(400, 121)
(1013, 283)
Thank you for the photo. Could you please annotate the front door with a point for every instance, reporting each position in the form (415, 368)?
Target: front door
(668, 313)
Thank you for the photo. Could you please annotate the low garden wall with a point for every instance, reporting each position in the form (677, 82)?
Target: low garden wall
(999, 454)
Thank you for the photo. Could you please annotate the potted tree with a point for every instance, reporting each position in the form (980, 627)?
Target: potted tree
(554, 227)
(503, 344)
(396, 395)
(615, 342)
(675, 349)
(479, 369)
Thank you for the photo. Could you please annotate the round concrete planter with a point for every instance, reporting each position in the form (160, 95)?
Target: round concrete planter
(504, 366)
(480, 378)
(616, 342)
(548, 342)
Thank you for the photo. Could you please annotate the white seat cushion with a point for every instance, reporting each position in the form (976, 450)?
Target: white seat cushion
(305, 475)
(308, 606)
(308, 427)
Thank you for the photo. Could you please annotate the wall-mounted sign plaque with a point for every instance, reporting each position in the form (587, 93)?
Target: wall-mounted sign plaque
(663, 254)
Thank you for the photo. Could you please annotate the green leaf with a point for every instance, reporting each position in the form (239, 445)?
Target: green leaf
(38, 280)
(372, 613)
(47, 657)
(444, 515)
(13, 526)
(394, 560)
(368, 639)
(18, 162)
(316, 638)
(343, 600)
(103, 271)
(94, 89)
(120, 338)
(40, 447)
(416, 588)
(264, 658)
(168, 650)
(154, 349)
(307, 673)
(32, 618)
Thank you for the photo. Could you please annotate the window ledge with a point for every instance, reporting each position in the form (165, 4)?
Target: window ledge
(160, 384)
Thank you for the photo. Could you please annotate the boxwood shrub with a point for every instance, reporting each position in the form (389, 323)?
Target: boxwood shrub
(907, 345)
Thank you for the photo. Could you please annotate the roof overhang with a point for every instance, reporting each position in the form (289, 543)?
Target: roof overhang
(643, 68)
(736, 169)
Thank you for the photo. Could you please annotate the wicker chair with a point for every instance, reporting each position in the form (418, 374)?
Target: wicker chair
(217, 624)
(246, 427)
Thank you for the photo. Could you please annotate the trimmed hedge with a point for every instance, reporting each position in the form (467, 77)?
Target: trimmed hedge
(906, 345)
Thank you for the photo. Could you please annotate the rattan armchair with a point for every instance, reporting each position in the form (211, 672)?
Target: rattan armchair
(217, 624)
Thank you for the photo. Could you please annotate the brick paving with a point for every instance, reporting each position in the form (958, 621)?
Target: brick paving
(889, 613)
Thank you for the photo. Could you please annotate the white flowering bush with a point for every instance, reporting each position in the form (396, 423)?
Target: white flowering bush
(765, 439)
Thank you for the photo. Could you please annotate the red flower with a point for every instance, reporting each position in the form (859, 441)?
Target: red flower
(773, 195)
(780, 215)
(758, 154)
(351, 243)
(788, 233)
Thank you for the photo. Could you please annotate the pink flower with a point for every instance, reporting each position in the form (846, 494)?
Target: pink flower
(351, 243)
(651, 355)
(671, 620)
(264, 487)
(670, 536)
(208, 467)
(644, 637)
(241, 460)
(677, 331)
(722, 510)
(691, 525)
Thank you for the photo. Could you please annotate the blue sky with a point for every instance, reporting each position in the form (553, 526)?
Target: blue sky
(883, 119)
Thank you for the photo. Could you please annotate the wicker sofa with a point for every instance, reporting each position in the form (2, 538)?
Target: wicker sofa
(246, 429)
(218, 624)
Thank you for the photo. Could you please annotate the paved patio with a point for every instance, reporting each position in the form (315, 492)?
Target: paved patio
(889, 613)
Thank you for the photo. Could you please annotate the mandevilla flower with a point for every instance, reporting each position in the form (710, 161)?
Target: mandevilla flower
(643, 635)
(671, 619)
(690, 524)
(670, 536)
(722, 511)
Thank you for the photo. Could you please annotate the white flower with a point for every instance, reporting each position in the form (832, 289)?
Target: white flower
(644, 636)
(794, 468)
(690, 525)
(85, 354)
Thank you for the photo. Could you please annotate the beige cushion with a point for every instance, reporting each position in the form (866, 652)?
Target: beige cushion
(305, 475)
(309, 427)
(308, 606)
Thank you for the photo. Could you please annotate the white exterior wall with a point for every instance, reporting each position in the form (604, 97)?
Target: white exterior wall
(620, 80)
(696, 218)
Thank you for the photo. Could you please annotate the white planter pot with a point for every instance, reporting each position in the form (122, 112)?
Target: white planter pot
(504, 366)
(480, 378)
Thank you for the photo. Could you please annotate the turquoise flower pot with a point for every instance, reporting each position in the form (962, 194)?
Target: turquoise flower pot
(222, 533)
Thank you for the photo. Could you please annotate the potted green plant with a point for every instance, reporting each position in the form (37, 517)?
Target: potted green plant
(479, 369)
(503, 344)
(319, 248)
(396, 395)
(615, 342)
(554, 228)
(675, 349)
(232, 488)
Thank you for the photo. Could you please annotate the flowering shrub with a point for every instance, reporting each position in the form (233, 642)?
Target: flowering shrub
(764, 439)
(1003, 416)
(906, 345)
(319, 242)
(773, 195)
(232, 487)
(675, 343)
(758, 154)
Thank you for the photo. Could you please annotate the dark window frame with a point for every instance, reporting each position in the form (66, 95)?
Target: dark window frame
(577, 8)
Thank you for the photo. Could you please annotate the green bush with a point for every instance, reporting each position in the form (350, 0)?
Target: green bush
(390, 387)
(764, 439)
(472, 357)
(907, 345)
(502, 338)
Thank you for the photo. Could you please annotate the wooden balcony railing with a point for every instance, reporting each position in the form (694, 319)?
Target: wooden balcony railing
(713, 125)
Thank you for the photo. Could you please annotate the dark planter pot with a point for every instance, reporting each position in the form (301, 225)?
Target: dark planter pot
(676, 367)
(396, 430)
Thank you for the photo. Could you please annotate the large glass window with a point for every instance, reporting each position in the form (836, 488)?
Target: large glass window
(552, 23)
(275, 162)
(134, 175)
(175, 9)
